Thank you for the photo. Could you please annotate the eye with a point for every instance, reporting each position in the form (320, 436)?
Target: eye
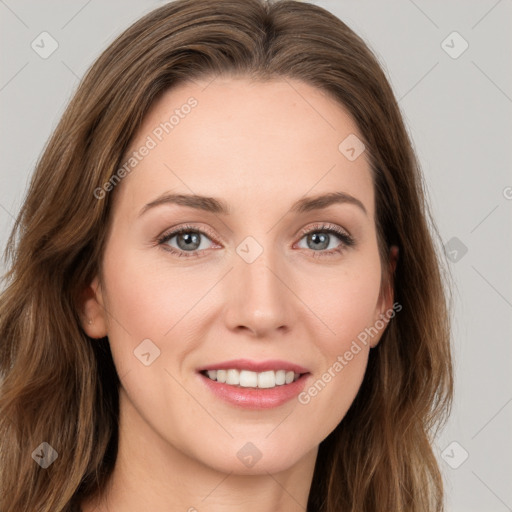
(189, 241)
(322, 240)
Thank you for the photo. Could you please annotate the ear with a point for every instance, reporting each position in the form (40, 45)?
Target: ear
(93, 313)
(386, 300)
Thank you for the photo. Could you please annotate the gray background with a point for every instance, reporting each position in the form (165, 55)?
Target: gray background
(458, 113)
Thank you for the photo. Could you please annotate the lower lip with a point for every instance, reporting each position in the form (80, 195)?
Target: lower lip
(256, 398)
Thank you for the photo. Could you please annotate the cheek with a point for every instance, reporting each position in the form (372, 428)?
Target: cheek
(349, 308)
(334, 385)
(148, 299)
(348, 303)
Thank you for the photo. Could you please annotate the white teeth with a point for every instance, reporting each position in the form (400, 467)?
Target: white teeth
(267, 379)
(233, 377)
(280, 377)
(249, 379)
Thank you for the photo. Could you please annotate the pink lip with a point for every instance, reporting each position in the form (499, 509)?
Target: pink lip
(255, 398)
(256, 366)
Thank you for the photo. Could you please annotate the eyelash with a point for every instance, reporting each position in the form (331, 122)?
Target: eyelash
(345, 238)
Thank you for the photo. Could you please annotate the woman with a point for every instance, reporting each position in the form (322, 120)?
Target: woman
(223, 289)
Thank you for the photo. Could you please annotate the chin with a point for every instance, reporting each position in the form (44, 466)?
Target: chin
(241, 456)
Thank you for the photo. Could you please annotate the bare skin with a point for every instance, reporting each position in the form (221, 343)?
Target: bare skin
(258, 147)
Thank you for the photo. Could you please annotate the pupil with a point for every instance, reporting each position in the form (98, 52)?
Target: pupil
(321, 238)
(191, 239)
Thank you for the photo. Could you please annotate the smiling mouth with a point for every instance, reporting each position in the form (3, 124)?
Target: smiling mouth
(248, 379)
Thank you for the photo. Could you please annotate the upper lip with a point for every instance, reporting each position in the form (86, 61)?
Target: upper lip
(256, 366)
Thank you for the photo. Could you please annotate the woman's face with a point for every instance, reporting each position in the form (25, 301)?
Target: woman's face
(259, 283)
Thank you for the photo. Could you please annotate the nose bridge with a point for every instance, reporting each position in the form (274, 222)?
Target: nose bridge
(259, 301)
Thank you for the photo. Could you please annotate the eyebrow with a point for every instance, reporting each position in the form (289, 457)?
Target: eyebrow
(217, 206)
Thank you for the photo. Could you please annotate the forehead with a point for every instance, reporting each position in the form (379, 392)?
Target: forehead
(248, 142)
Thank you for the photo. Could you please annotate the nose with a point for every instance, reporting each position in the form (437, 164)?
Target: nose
(259, 297)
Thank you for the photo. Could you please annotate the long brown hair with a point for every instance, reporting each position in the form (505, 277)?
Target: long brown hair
(61, 387)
